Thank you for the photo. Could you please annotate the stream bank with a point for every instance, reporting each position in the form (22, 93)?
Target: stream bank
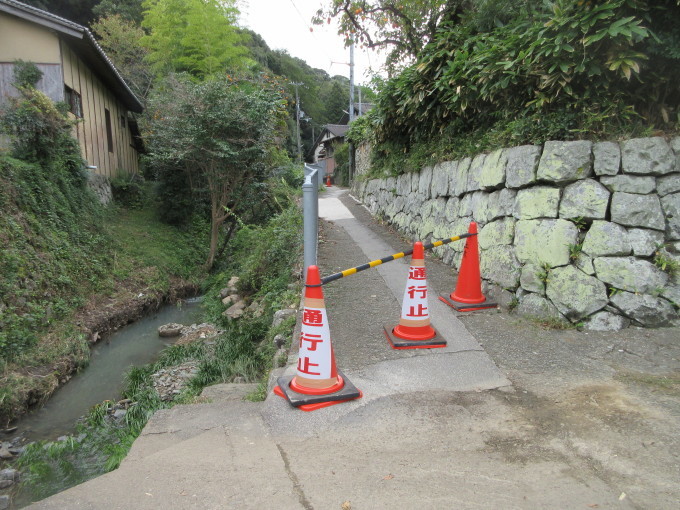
(97, 320)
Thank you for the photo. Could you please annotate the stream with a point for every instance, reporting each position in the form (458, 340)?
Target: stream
(135, 344)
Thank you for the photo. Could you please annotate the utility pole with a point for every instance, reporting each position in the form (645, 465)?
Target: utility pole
(351, 82)
(360, 112)
(351, 110)
(297, 118)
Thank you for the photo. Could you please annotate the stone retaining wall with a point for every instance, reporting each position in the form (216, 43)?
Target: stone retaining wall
(100, 186)
(568, 230)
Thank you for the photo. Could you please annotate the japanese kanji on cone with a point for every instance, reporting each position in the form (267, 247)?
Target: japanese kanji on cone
(414, 330)
(468, 296)
(317, 383)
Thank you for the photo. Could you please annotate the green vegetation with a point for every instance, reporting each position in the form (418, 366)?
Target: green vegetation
(61, 250)
(668, 383)
(665, 261)
(51, 226)
(554, 323)
(575, 251)
(219, 133)
(222, 191)
(544, 273)
(198, 37)
(263, 256)
(404, 28)
(341, 155)
(530, 73)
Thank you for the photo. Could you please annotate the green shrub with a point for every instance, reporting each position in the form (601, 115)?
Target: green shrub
(341, 155)
(562, 69)
(129, 191)
(26, 74)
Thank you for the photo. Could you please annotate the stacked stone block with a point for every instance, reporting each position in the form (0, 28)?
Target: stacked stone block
(571, 230)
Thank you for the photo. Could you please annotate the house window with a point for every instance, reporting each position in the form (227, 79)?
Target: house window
(122, 121)
(74, 101)
(109, 131)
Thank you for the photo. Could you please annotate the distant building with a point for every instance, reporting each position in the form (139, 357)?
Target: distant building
(324, 146)
(77, 71)
(333, 135)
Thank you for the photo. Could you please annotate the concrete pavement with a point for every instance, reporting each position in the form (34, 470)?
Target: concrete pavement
(433, 430)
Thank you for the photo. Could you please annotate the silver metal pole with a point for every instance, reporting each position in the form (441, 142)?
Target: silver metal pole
(310, 211)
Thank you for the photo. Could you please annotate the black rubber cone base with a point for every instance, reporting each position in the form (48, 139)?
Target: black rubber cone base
(400, 343)
(348, 392)
(466, 307)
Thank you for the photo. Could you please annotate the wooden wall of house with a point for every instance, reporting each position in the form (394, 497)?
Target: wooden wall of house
(91, 130)
(20, 39)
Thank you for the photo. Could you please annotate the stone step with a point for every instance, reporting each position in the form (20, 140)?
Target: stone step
(167, 427)
(224, 467)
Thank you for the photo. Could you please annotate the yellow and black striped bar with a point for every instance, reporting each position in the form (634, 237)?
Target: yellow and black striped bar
(400, 255)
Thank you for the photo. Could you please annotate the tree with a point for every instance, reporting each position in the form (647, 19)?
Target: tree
(79, 11)
(404, 27)
(219, 132)
(199, 37)
(120, 39)
(130, 10)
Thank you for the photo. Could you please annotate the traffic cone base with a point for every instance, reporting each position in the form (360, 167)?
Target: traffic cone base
(307, 402)
(460, 306)
(407, 332)
(403, 343)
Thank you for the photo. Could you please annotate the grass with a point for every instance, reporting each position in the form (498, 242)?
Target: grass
(669, 383)
(150, 243)
(553, 323)
(244, 351)
(665, 262)
(117, 255)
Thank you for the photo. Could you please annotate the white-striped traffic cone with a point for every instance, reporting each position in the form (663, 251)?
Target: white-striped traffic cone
(317, 383)
(414, 330)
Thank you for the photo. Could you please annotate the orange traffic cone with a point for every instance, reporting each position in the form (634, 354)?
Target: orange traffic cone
(318, 383)
(328, 180)
(414, 330)
(468, 294)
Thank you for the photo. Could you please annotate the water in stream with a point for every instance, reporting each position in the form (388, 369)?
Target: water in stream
(135, 344)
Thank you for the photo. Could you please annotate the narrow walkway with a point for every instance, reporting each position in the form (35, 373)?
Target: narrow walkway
(360, 305)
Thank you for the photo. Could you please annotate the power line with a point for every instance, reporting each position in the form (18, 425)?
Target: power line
(311, 29)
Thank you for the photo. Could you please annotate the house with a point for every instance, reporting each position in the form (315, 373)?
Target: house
(324, 146)
(77, 71)
(333, 135)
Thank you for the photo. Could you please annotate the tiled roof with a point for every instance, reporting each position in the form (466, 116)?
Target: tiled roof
(337, 129)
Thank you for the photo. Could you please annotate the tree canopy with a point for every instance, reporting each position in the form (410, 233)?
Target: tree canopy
(218, 132)
(121, 39)
(199, 37)
(402, 27)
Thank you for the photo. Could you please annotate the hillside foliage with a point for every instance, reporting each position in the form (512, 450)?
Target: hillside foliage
(561, 69)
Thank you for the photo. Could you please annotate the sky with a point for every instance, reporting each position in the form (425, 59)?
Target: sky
(285, 25)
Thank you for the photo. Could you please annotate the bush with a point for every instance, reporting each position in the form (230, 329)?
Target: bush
(39, 129)
(583, 67)
(26, 74)
(129, 191)
(341, 156)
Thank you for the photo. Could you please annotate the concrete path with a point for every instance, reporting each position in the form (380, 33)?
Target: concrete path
(434, 429)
